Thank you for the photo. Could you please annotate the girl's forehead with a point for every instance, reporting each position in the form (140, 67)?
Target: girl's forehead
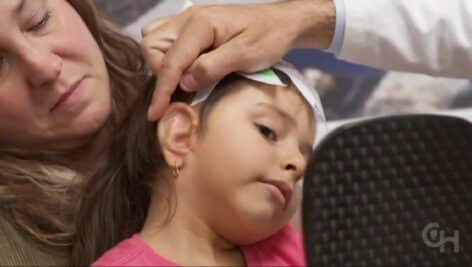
(287, 96)
(284, 100)
(283, 106)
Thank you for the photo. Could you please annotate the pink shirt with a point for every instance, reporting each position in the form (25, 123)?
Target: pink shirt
(285, 248)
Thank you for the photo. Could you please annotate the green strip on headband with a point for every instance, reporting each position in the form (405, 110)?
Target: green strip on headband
(267, 73)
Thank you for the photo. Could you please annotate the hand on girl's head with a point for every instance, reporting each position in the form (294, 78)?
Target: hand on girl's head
(177, 47)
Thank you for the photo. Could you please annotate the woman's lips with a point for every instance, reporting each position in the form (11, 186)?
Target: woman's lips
(282, 190)
(65, 96)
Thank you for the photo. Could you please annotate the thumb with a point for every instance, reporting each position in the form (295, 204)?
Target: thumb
(214, 65)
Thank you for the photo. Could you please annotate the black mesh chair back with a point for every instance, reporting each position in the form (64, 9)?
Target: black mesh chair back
(392, 191)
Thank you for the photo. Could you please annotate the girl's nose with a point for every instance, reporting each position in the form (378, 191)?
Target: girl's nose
(294, 162)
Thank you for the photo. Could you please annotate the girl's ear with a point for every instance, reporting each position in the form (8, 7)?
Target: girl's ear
(176, 133)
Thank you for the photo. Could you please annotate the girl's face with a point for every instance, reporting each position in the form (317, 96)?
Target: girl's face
(249, 160)
(54, 85)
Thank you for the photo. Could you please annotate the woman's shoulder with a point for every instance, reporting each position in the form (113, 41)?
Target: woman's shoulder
(18, 250)
(284, 248)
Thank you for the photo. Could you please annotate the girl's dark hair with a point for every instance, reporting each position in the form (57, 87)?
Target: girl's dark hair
(117, 197)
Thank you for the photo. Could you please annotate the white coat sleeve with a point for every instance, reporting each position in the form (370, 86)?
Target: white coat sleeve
(425, 36)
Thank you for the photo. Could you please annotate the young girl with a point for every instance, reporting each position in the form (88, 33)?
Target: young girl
(214, 183)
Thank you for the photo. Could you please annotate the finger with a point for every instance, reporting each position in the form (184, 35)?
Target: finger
(175, 20)
(179, 57)
(153, 49)
(235, 55)
(196, 37)
(194, 40)
(162, 94)
(154, 59)
(154, 25)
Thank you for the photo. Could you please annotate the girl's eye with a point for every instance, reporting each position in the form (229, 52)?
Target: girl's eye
(40, 24)
(267, 132)
(2, 63)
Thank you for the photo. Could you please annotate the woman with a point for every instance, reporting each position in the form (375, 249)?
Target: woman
(67, 77)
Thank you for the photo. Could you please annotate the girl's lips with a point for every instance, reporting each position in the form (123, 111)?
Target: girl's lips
(283, 188)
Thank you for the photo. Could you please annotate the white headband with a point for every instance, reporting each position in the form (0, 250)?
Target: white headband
(268, 76)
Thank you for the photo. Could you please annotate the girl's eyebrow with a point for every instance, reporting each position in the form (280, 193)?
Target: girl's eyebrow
(287, 117)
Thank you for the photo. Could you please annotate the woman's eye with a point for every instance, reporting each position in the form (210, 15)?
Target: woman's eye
(40, 24)
(267, 132)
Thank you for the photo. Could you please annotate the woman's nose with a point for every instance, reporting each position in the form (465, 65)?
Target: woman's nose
(42, 66)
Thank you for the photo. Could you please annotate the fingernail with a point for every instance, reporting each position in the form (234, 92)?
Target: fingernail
(150, 113)
(188, 82)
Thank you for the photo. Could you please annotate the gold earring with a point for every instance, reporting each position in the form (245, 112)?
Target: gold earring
(176, 170)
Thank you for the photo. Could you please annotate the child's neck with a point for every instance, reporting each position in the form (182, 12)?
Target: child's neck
(186, 238)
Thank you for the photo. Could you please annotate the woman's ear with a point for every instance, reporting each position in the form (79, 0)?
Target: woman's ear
(176, 133)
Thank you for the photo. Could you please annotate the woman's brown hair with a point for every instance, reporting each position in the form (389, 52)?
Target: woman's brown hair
(38, 193)
(116, 197)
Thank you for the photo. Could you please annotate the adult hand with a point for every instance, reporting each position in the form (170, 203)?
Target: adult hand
(204, 43)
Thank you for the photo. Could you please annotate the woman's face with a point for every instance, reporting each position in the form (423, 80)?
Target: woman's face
(54, 85)
(250, 159)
